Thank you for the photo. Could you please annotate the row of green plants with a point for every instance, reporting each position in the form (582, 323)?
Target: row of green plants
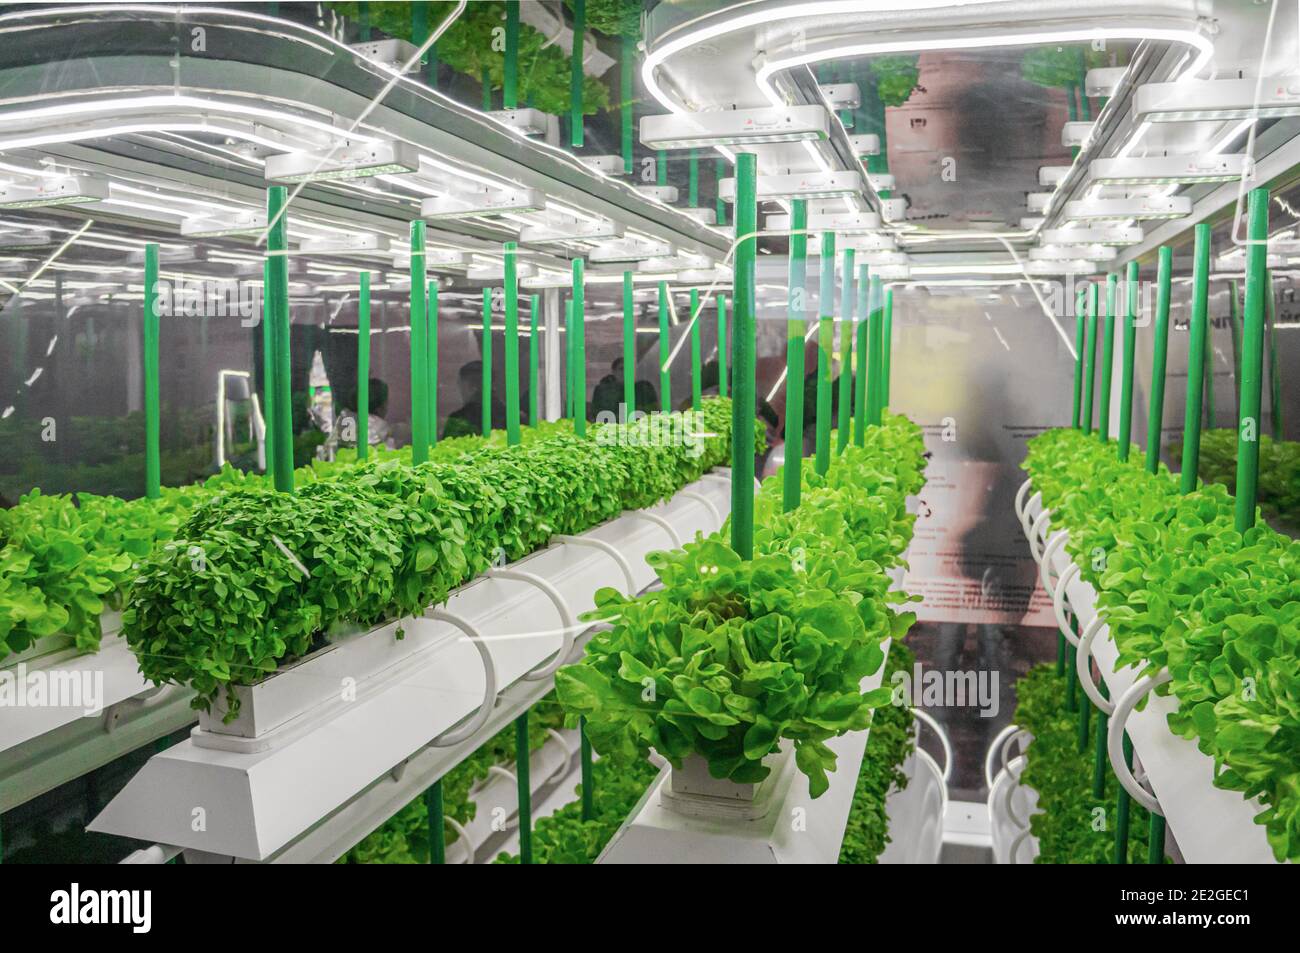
(1279, 470)
(66, 558)
(732, 656)
(1072, 825)
(256, 578)
(1181, 588)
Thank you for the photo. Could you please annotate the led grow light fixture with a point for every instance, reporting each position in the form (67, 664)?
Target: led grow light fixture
(65, 190)
(1166, 170)
(659, 193)
(878, 259)
(1031, 222)
(470, 204)
(526, 122)
(859, 243)
(1103, 81)
(244, 223)
(893, 210)
(356, 160)
(1076, 134)
(735, 127)
(881, 181)
(705, 216)
(674, 263)
(14, 241)
(1039, 201)
(1054, 252)
(704, 277)
(496, 271)
(1093, 235)
(342, 244)
(1121, 210)
(1050, 176)
(800, 185)
(892, 272)
(606, 165)
(1217, 100)
(842, 95)
(1070, 267)
(630, 249)
(867, 144)
(572, 231)
(848, 223)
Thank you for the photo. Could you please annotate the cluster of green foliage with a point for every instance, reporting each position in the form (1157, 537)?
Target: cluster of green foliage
(612, 17)
(1061, 66)
(731, 656)
(888, 746)
(896, 78)
(468, 47)
(1071, 825)
(1278, 490)
(223, 603)
(1179, 587)
(404, 837)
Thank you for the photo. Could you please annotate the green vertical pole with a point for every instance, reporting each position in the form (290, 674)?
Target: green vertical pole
(875, 349)
(363, 21)
(1122, 809)
(722, 346)
(665, 349)
(1129, 345)
(570, 370)
(579, 346)
(486, 412)
(1073, 112)
(1089, 358)
(720, 207)
(794, 351)
(268, 369)
(825, 347)
(1274, 369)
(152, 414)
(1100, 758)
(584, 767)
(433, 808)
(512, 354)
(431, 361)
(696, 371)
(487, 89)
(1159, 359)
(627, 64)
(693, 180)
(864, 346)
(510, 69)
(743, 342)
(1076, 406)
(534, 345)
(1196, 358)
(419, 347)
(523, 756)
(1107, 361)
(277, 298)
(576, 76)
(1085, 710)
(629, 348)
(661, 167)
(1234, 326)
(363, 367)
(844, 419)
(887, 331)
(1252, 360)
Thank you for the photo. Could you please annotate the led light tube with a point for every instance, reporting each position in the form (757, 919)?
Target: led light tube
(357, 160)
(735, 127)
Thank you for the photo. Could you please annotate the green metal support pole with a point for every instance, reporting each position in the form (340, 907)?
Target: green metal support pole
(433, 808)
(697, 374)
(512, 350)
(860, 377)
(510, 83)
(1100, 758)
(629, 348)
(1076, 407)
(665, 350)
(576, 77)
(794, 352)
(1085, 711)
(1211, 413)
(569, 340)
(1107, 361)
(825, 348)
(152, 412)
(844, 419)
(431, 360)
(534, 347)
(1089, 358)
(419, 347)
(268, 370)
(1196, 358)
(661, 167)
(1129, 345)
(744, 340)
(579, 348)
(722, 346)
(1234, 326)
(887, 330)
(523, 757)
(875, 351)
(693, 180)
(277, 299)
(627, 94)
(1122, 809)
(1274, 368)
(584, 766)
(720, 207)
(363, 367)
(1252, 360)
(1159, 358)
(1072, 683)
(486, 404)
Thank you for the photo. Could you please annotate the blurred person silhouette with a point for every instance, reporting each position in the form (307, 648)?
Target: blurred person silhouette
(467, 420)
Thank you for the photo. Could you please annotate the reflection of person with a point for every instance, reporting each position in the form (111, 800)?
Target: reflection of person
(468, 418)
(608, 394)
(344, 431)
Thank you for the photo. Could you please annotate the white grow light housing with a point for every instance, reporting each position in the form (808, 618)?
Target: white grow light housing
(848, 223)
(1166, 170)
(892, 272)
(1103, 81)
(867, 144)
(705, 216)
(482, 202)
(1120, 210)
(251, 222)
(496, 271)
(1093, 235)
(630, 249)
(1039, 201)
(341, 244)
(526, 122)
(881, 181)
(674, 263)
(735, 127)
(1031, 222)
(574, 230)
(1052, 252)
(63, 190)
(893, 210)
(842, 95)
(1077, 266)
(868, 242)
(799, 185)
(881, 259)
(355, 160)
(1217, 99)
(1076, 134)
(606, 165)
(659, 193)
(1050, 176)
